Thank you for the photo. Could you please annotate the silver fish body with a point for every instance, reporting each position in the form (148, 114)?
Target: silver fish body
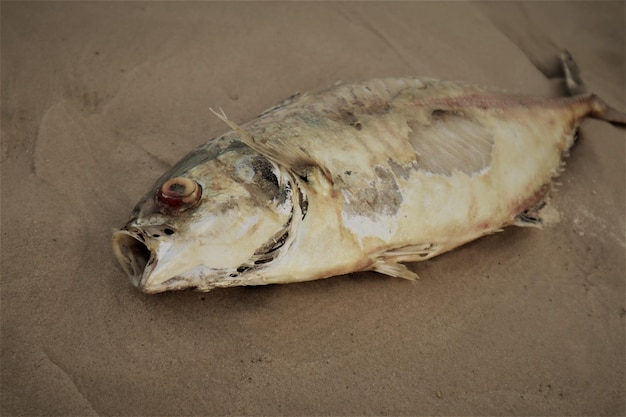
(364, 176)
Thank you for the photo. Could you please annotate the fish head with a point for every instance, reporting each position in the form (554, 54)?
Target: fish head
(221, 211)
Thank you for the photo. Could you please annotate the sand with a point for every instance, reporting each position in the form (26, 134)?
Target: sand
(98, 99)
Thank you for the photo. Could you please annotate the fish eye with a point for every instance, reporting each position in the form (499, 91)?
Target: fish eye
(179, 194)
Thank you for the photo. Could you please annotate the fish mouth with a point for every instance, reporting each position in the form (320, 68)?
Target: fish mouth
(133, 255)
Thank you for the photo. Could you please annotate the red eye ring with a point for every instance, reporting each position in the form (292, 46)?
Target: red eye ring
(180, 193)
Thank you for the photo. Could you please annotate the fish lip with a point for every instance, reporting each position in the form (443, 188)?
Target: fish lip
(134, 256)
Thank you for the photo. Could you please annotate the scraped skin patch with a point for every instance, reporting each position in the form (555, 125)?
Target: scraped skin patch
(453, 142)
(381, 198)
(370, 211)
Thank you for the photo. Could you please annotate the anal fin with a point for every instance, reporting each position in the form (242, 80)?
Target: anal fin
(530, 217)
(526, 219)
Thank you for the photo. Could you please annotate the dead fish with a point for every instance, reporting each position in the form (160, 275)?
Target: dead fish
(359, 177)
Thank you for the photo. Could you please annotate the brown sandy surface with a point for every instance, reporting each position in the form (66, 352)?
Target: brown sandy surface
(98, 99)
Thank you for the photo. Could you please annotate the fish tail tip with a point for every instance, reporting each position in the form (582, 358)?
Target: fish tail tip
(601, 110)
(576, 87)
(573, 80)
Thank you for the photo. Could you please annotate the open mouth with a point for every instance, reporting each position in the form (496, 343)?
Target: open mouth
(132, 254)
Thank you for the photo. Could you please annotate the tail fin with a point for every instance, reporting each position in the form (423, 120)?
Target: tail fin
(576, 87)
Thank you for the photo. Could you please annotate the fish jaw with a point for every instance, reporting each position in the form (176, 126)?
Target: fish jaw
(134, 256)
(145, 261)
(154, 265)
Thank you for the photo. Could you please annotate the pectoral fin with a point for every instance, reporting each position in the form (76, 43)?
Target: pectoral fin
(394, 269)
(388, 262)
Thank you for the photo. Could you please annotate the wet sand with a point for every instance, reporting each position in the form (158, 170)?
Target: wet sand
(98, 99)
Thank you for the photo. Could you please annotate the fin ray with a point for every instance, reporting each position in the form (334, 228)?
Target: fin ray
(388, 262)
(394, 269)
(412, 253)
